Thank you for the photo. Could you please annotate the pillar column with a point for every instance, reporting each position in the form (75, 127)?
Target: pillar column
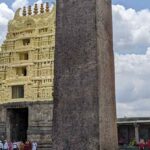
(84, 87)
(136, 133)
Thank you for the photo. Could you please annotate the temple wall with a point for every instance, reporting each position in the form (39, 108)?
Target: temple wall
(39, 122)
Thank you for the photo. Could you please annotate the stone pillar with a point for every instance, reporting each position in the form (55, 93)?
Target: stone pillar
(84, 91)
(3, 126)
(136, 133)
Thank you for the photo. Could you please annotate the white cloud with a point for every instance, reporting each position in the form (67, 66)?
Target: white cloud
(131, 29)
(139, 108)
(19, 4)
(132, 35)
(5, 15)
(39, 2)
(132, 83)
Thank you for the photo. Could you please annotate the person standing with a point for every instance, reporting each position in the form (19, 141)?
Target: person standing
(10, 145)
(21, 146)
(15, 146)
(141, 144)
(1, 145)
(6, 147)
(34, 146)
(27, 146)
(30, 145)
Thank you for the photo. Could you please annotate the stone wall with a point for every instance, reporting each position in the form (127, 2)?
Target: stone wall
(40, 124)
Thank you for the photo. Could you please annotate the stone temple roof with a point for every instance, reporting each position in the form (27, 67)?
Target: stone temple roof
(35, 18)
(133, 120)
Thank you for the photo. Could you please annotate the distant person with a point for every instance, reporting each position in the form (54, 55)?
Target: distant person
(1, 145)
(15, 146)
(142, 144)
(10, 145)
(30, 143)
(21, 146)
(27, 146)
(147, 144)
(34, 146)
(6, 147)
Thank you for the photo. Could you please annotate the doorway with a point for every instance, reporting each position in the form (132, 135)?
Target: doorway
(18, 123)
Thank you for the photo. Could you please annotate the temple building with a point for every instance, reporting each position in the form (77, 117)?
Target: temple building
(134, 128)
(26, 76)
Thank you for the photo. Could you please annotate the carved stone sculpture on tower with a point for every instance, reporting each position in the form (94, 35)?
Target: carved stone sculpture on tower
(24, 11)
(42, 9)
(29, 11)
(35, 9)
(47, 7)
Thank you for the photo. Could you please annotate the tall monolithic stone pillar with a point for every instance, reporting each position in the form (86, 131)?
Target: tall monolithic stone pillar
(84, 91)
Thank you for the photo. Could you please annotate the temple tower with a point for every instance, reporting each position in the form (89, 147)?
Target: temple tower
(26, 77)
(84, 87)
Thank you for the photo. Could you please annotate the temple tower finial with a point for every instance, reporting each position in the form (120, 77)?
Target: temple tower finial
(35, 9)
(24, 11)
(47, 7)
(42, 9)
(29, 10)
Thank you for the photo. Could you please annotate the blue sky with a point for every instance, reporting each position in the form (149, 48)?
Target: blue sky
(9, 2)
(136, 4)
(131, 38)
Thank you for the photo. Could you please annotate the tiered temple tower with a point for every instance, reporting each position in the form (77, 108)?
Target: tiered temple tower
(26, 75)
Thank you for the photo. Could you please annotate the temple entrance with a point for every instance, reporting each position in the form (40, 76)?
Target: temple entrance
(18, 124)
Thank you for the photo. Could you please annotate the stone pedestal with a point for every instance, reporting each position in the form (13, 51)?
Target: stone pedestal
(84, 91)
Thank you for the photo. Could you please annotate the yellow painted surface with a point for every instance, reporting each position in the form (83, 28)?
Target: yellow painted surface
(27, 57)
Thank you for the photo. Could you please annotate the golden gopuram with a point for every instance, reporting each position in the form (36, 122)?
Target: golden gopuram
(26, 76)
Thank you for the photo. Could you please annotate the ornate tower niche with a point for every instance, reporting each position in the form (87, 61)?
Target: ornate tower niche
(84, 87)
